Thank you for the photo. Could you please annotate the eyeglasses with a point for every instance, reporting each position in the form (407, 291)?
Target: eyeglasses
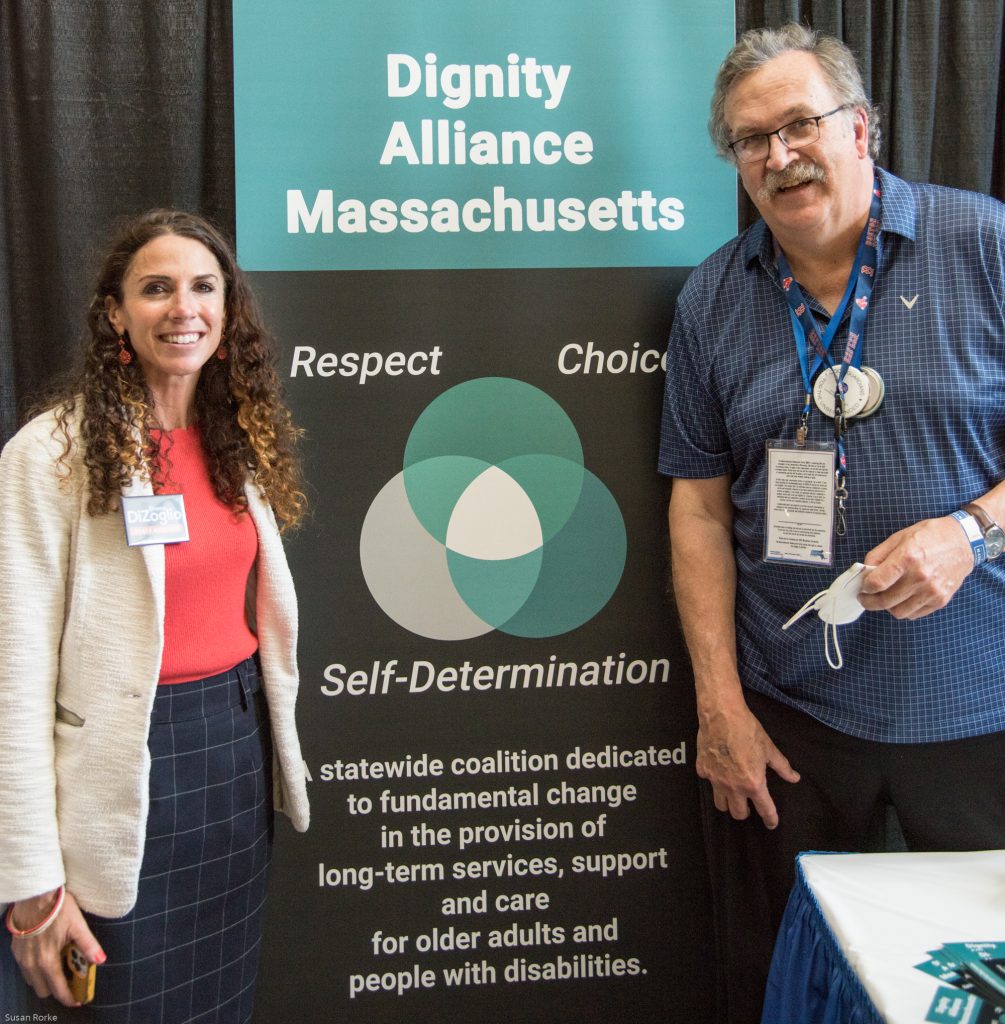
(794, 135)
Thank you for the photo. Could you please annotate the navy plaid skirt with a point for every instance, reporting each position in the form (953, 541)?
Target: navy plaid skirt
(188, 951)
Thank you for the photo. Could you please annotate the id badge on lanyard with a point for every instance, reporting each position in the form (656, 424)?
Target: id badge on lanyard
(807, 487)
(799, 523)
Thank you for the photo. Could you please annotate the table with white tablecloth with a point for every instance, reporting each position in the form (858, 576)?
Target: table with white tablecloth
(857, 925)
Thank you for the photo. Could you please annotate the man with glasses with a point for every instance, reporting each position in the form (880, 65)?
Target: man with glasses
(836, 395)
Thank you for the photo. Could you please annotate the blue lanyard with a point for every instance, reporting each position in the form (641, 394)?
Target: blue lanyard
(806, 333)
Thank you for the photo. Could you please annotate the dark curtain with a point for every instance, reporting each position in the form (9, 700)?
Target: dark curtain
(113, 106)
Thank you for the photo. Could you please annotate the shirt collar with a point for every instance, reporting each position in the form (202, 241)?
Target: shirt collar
(900, 208)
(899, 216)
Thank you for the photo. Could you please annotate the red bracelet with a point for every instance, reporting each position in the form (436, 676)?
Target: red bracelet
(43, 924)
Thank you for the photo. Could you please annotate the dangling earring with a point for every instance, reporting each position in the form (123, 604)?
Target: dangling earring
(221, 349)
(125, 356)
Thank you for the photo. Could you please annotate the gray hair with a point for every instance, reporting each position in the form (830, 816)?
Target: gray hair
(756, 47)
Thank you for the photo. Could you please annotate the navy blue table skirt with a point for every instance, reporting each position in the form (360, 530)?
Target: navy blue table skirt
(811, 981)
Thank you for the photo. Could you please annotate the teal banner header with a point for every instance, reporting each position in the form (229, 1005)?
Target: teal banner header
(411, 135)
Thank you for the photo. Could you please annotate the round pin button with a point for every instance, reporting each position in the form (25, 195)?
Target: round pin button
(855, 387)
(877, 389)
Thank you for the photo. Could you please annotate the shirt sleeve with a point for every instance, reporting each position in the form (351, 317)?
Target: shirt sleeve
(694, 443)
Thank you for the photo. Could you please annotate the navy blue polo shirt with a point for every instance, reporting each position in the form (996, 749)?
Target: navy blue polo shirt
(936, 333)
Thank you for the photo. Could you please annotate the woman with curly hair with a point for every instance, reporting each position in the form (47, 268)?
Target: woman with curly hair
(148, 642)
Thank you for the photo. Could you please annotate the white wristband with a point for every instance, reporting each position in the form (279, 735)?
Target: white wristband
(975, 535)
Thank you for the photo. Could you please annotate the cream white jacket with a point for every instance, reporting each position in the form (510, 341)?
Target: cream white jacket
(82, 628)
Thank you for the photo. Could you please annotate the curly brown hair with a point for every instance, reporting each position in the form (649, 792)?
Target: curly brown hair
(243, 422)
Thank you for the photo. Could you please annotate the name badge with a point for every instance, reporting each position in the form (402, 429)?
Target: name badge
(154, 519)
(799, 524)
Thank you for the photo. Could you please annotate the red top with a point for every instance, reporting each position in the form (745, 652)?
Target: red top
(205, 629)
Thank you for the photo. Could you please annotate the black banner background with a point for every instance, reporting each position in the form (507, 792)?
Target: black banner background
(323, 960)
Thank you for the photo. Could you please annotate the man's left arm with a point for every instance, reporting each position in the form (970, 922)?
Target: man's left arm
(917, 570)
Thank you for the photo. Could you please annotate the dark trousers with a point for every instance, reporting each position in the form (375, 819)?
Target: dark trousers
(947, 796)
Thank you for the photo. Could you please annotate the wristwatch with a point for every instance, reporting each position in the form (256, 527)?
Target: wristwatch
(994, 535)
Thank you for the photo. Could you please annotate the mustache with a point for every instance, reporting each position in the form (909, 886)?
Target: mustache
(794, 174)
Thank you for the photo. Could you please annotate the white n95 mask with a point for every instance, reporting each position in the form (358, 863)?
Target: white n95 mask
(837, 606)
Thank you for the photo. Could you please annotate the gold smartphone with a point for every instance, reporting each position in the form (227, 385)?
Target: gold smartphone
(80, 972)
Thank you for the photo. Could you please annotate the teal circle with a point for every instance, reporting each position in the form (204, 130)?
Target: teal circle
(490, 421)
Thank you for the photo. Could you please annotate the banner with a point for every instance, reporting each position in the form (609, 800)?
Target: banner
(467, 225)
